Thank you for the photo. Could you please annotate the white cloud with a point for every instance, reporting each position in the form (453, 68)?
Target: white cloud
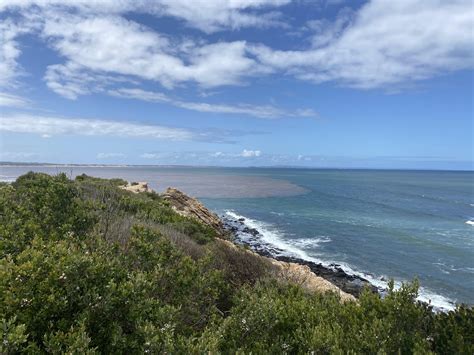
(210, 16)
(112, 45)
(110, 155)
(250, 153)
(17, 155)
(206, 15)
(53, 126)
(204, 157)
(9, 100)
(383, 44)
(149, 155)
(9, 50)
(261, 111)
(266, 111)
(387, 43)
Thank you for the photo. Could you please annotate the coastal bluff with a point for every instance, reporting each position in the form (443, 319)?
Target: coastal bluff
(285, 271)
(190, 207)
(88, 267)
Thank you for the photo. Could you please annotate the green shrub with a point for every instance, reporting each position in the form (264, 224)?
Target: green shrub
(86, 267)
(40, 205)
(275, 318)
(454, 332)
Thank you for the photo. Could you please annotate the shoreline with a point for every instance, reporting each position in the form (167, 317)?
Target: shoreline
(247, 236)
(352, 283)
(257, 236)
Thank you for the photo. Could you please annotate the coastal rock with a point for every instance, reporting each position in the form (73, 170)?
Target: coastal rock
(190, 207)
(244, 235)
(137, 187)
(296, 274)
(294, 271)
(352, 284)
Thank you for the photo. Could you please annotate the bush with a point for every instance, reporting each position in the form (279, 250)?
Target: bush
(89, 268)
(240, 266)
(275, 318)
(41, 205)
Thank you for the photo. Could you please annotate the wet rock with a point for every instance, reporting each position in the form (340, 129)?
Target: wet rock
(251, 237)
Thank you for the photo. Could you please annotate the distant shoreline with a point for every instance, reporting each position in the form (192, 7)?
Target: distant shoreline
(73, 165)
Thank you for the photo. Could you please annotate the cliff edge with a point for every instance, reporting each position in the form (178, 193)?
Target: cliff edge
(190, 207)
(284, 271)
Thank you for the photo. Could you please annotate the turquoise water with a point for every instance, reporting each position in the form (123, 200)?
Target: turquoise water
(380, 223)
(385, 224)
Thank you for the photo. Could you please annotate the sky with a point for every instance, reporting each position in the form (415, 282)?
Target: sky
(312, 83)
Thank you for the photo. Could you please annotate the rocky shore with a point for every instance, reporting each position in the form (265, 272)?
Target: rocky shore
(251, 237)
(191, 207)
(239, 233)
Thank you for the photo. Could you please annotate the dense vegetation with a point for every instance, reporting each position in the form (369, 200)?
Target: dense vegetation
(89, 268)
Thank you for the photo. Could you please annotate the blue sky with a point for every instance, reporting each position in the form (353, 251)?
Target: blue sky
(321, 83)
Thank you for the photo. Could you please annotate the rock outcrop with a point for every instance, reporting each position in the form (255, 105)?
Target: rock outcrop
(296, 274)
(190, 207)
(292, 272)
(285, 271)
(137, 187)
(303, 276)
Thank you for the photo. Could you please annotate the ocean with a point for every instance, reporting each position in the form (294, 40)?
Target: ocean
(380, 224)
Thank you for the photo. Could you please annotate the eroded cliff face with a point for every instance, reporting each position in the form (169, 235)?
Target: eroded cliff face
(190, 207)
(284, 271)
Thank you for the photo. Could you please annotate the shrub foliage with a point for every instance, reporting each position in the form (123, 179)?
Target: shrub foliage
(89, 268)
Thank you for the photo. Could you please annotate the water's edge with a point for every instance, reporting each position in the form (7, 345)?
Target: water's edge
(251, 237)
(247, 234)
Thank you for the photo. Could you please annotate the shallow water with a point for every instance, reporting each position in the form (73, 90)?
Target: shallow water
(383, 224)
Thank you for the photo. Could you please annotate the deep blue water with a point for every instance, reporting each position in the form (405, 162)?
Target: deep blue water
(382, 223)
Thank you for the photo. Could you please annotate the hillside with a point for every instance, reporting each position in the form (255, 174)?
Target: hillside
(90, 267)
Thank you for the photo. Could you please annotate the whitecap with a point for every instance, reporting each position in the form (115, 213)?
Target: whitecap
(277, 213)
(470, 222)
(307, 243)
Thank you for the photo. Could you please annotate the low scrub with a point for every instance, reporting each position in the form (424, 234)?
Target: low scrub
(86, 267)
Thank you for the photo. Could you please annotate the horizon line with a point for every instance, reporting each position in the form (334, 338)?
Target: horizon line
(25, 164)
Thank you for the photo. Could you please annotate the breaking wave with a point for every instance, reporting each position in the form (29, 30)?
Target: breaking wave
(274, 238)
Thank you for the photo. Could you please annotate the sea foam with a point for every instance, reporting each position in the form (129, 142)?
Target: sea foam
(273, 237)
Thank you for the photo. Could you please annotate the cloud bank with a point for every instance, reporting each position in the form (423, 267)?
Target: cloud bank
(381, 45)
